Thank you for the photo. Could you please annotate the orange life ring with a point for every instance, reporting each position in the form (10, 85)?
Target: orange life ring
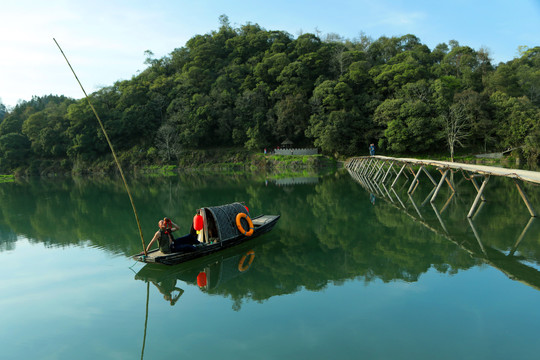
(239, 224)
(241, 266)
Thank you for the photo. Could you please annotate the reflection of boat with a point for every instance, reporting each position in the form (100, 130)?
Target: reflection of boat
(220, 231)
(208, 273)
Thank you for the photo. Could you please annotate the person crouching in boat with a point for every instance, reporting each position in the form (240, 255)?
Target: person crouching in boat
(166, 241)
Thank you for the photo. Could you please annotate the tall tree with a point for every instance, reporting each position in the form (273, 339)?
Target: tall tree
(456, 127)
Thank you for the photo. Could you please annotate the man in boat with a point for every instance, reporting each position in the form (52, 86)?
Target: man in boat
(166, 241)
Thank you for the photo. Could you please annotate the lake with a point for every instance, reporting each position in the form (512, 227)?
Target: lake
(345, 274)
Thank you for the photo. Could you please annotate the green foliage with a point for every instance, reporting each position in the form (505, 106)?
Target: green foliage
(14, 150)
(516, 117)
(251, 87)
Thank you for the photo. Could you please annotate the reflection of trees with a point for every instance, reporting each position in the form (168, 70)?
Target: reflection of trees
(328, 233)
(7, 238)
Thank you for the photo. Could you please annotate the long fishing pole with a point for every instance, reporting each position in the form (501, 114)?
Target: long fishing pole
(110, 146)
(146, 318)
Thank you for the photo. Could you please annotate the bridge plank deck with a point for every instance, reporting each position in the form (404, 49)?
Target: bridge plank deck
(524, 175)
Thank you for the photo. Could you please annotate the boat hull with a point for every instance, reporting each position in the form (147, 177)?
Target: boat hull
(262, 224)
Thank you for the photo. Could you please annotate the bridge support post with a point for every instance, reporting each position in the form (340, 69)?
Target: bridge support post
(521, 236)
(478, 197)
(378, 171)
(448, 181)
(477, 236)
(429, 176)
(439, 186)
(399, 173)
(476, 186)
(365, 168)
(415, 179)
(371, 173)
(386, 175)
(525, 199)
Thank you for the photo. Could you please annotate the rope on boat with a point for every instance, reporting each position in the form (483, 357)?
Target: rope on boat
(110, 146)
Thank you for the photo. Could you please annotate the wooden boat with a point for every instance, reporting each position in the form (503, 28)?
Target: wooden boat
(220, 232)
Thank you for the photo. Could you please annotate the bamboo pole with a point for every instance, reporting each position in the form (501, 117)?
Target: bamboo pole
(145, 318)
(110, 146)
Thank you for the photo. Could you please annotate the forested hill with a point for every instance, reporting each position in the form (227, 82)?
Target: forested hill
(253, 88)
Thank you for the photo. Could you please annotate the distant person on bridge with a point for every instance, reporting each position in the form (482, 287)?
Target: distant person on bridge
(371, 149)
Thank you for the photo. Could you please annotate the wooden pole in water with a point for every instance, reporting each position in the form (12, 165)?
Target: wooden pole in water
(110, 146)
(439, 185)
(429, 176)
(476, 187)
(525, 199)
(415, 179)
(399, 173)
(386, 175)
(478, 197)
(448, 181)
(521, 236)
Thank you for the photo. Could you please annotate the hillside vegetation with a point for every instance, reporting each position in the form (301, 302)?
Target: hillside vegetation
(252, 88)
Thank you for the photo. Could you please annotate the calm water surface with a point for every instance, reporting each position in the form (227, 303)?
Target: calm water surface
(345, 274)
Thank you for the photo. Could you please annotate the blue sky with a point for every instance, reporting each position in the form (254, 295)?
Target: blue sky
(105, 40)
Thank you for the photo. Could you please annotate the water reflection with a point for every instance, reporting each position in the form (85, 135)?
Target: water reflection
(506, 258)
(210, 274)
(330, 231)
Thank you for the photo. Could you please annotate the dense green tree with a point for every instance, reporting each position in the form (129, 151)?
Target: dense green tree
(411, 125)
(14, 150)
(515, 118)
(46, 130)
(253, 87)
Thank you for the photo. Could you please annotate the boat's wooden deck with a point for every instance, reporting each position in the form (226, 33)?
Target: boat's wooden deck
(261, 220)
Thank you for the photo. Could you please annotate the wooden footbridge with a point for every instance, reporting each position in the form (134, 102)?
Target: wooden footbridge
(376, 172)
(379, 175)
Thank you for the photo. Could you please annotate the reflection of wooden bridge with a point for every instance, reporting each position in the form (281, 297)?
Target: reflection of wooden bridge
(380, 170)
(373, 178)
(297, 181)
